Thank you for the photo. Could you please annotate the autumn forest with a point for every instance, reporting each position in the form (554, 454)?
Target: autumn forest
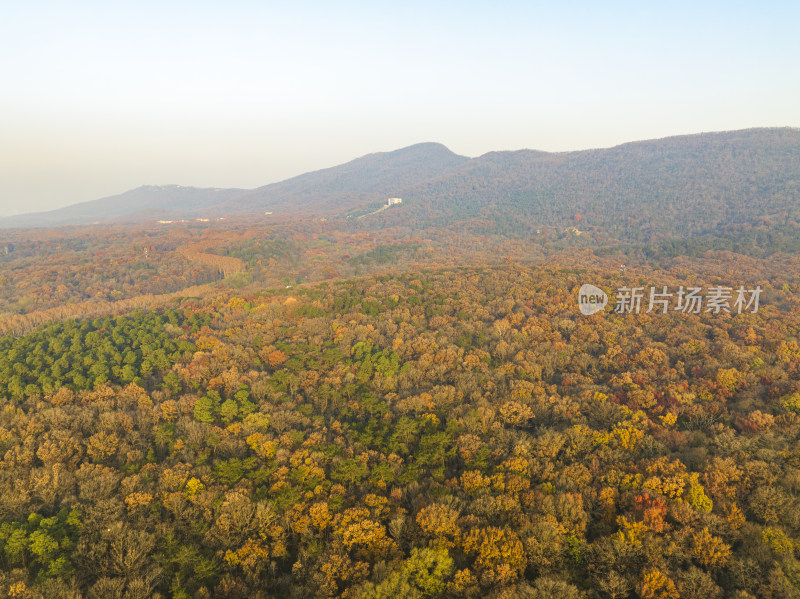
(400, 405)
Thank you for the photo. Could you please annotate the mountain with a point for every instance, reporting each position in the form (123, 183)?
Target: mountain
(371, 178)
(148, 202)
(677, 186)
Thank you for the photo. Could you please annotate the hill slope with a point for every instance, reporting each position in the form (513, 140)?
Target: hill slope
(371, 178)
(676, 186)
(147, 202)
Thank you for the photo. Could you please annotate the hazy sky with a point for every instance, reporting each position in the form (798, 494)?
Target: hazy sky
(99, 97)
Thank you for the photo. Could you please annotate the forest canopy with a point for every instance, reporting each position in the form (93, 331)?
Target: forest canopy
(448, 432)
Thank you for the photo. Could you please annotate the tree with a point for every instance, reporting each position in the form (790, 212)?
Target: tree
(439, 523)
(424, 574)
(499, 555)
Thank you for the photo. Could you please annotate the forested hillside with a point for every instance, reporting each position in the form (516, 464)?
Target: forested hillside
(674, 187)
(449, 432)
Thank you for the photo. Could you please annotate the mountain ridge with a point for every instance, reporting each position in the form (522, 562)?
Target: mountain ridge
(680, 184)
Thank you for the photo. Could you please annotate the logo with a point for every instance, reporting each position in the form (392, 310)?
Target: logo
(591, 299)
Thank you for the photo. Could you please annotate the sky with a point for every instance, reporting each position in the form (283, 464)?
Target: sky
(100, 97)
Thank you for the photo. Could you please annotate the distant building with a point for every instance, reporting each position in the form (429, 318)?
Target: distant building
(389, 203)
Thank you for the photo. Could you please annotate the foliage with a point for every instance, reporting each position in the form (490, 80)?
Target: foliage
(421, 432)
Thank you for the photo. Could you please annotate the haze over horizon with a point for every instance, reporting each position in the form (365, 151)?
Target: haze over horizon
(99, 99)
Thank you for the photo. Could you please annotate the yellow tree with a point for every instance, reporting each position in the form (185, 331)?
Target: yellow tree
(439, 523)
(499, 555)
